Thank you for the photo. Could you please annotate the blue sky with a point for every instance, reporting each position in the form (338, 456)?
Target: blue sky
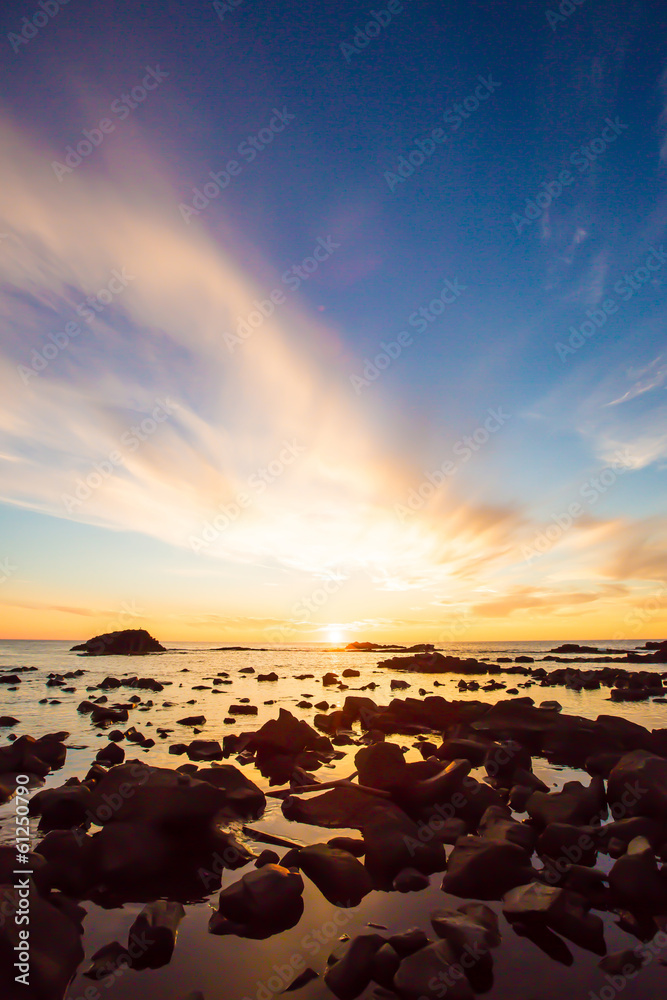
(512, 153)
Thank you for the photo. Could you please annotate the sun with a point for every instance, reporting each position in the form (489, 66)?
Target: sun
(334, 635)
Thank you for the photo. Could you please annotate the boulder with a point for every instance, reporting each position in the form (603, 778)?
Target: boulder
(263, 902)
(242, 796)
(61, 808)
(126, 642)
(497, 824)
(636, 880)
(287, 735)
(637, 786)
(55, 945)
(410, 880)
(486, 869)
(575, 804)
(204, 750)
(350, 975)
(110, 755)
(338, 875)
(559, 910)
(393, 843)
(471, 927)
(380, 765)
(153, 934)
(431, 973)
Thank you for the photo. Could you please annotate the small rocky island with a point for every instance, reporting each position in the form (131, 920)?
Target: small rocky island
(127, 642)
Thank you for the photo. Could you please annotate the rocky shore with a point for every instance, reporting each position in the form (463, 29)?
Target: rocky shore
(469, 811)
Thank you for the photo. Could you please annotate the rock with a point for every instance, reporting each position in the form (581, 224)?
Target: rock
(380, 765)
(637, 785)
(205, 750)
(138, 793)
(243, 710)
(560, 910)
(287, 735)
(576, 844)
(55, 944)
(497, 824)
(408, 942)
(338, 875)
(264, 902)
(623, 963)
(350, 976)
(575, 804)
(485, 869)
(110, 755)
(472, 927)
(272, 676)
(31, 756)
(101, 715)
(410, 880)
(242, 796)
(329, 679)
(60, 808)
(154, 934)
(7, 721)
(127, 642)
(302, 979)
(267, 857)
(385, 966)
(636, 881)
(431, 973)
(107, 961)
(192, 720)
(455, 749)
(351, 672)
(337, 808)
(393, 843)
(355, 847)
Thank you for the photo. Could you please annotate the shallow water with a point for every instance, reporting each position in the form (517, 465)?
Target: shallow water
(232, 968)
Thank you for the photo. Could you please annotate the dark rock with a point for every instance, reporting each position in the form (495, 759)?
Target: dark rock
(267, 857)
(153, 934)
(242, 796)
(562, 911)
(393, 843)
(385, 966)
(262, 903)
(380, 765)
(471, 927)
(127, 642)
(355, 847)
(350, 976)
(637, 785)
(427, 975)
(575, 804)
(272, 676)
(636, 881)
(337, 874)
(110, 755)
(205, 750)
(486, 869)
(192, 720)
(410, 880)
(408, 942)
(243, 710)
(287, 735)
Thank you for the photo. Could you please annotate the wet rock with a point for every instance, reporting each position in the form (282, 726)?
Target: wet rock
(497, 823)
(110, 755)
(287, 735)
(101, 715)
(351, 974)
(192, 720)
(337, 874)
(60, 808)
(302, 979)
(625, 830)
(126, 642)
(31, 756)
(242, 796)
(637, 785)
(262, 903)
(559, 910)
(380, 765)
(636, 880)
(393, 843)
(355, 847)
(431, 973)
(204, 750)
(485, 869)
(460, 748)
(154, 934)
(267, 857)
(55, 944)
(243, 710)
(329, 679)
(623, 963)
(351, 672)
(575, 804)
(136, 792)
(68, 861)
(576, 844)
(385, 966)
(107, 960)
(471, 927)
(410, 880)
(8, 720)
(410, 941)
(272, 676)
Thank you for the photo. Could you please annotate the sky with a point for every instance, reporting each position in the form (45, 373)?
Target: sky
(333, 322)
